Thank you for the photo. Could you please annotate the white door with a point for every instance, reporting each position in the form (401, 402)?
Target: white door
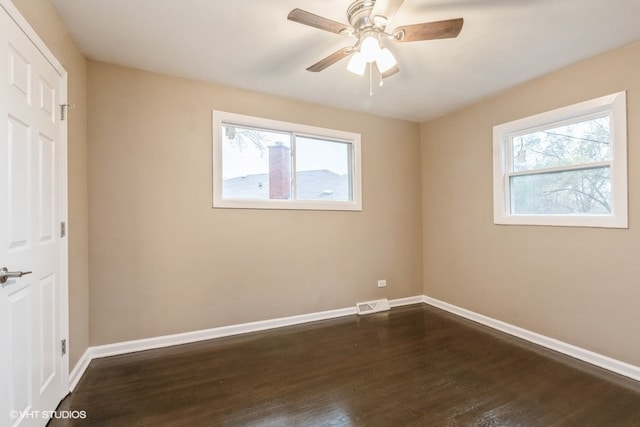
(32, 374)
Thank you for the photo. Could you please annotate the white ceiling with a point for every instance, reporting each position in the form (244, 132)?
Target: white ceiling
(250, 44)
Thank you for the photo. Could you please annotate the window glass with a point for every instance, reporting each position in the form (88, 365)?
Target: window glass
(249, 164)
(579, 192)
(564, 167)
(578, 143)
(267, 164)
(323, 170)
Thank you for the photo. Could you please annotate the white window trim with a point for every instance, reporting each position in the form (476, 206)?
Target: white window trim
(220, 117)
(616, 105)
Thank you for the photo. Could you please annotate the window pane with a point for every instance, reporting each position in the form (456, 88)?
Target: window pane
(323, 169)
(579, 143)
(256, 163)
(578, 192)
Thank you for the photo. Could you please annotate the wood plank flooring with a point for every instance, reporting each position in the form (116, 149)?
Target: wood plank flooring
(412, 366)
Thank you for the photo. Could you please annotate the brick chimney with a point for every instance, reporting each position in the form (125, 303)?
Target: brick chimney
(279, 171)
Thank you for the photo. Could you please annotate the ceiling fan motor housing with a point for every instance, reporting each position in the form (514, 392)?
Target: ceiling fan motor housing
(359, 16)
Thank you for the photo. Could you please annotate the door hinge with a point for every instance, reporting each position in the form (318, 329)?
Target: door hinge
(63, 229)
(63, 110)
(64, 346)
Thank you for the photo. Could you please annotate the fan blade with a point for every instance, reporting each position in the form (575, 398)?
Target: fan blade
(386, 8)
(449, 28)
(331, 59)
(390, 72)
(312, 20)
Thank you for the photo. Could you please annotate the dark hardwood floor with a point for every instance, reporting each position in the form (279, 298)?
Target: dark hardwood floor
(412, 366)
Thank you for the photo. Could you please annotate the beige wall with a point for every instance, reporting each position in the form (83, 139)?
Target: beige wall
(163, 261)
(579, 285)
(46, 21)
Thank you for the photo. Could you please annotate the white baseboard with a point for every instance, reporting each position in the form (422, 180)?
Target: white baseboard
(406, 301)
(207, 334)
(95, 352)
(220, 332)
(79, 369)
(588, 356)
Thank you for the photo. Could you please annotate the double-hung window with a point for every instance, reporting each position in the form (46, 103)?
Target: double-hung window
(268, 164)
(566, 167)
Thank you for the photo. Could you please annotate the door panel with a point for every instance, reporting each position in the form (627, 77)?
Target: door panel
(18, 171)
(47, 98)
(19, 74)
(48, 353)
(21, 332)
(46, 200)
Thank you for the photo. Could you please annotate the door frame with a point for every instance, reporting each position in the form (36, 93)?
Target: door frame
(62, 175)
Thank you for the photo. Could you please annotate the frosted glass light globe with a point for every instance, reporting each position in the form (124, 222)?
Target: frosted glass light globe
(370, 48)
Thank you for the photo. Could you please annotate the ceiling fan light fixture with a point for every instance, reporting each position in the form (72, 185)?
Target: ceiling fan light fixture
(370, 47)
(385, 60)
(357, 64)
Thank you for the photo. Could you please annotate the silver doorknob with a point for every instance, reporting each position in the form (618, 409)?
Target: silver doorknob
(6, 274)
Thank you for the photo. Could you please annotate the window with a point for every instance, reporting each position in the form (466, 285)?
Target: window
(565, 167)
(267, 164)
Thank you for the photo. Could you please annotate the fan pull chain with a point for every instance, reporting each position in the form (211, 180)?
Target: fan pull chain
(370, 80)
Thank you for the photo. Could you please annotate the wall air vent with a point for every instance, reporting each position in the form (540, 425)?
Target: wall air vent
(373, 306)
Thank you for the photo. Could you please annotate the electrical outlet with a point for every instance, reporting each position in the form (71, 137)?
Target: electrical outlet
(382, 283)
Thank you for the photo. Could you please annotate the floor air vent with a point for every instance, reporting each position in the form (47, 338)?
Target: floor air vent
(373, 306)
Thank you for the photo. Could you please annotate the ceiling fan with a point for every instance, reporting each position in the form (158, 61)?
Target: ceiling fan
(368, 20)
